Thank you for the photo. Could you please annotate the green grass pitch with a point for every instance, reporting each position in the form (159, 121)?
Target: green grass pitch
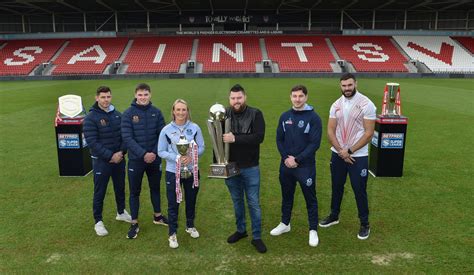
(422, 222)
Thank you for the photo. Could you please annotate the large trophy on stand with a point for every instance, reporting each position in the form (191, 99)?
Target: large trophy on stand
(223, 169)
(387, 148)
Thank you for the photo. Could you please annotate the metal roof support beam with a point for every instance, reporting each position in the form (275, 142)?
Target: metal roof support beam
(116, 21)
(352, 19)
(373, 20)
(140, 4)
(63, 2)
(350, 4)
(419, 4)
(467, 20)
(10, 10)
(148, 21)
(436, 21)
(456, 3)
(54, 22)
(34, 6)
(105, 5)
(85, 22)
(315, 4)
(342, 20)
(309, 20)
(384, 5)
(177, 6)
(212, 9)
(405, 20)
(23, 23)
(246, 5)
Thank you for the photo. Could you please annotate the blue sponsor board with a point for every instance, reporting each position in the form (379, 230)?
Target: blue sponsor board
(392, 140)
(68, 141)
(375, 139)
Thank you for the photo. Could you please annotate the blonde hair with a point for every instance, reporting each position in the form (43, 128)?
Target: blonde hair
(179, 100)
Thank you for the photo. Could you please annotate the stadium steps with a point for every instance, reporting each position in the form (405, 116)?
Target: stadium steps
(410, 67)
(263, 48)
(125, 51)
(335, 67)
(332, 48)
(59, 52)
(122, 69)
(194, 50)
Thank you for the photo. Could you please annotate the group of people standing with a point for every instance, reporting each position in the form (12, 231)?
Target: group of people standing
(141, 132)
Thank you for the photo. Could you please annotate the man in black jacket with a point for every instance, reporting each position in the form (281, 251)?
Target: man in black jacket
(102, 133)
(141, 127)
(247, 132)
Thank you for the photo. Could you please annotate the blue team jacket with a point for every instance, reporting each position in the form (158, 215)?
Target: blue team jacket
(141, 127)
(169, 136)
(299, 135)
(102, 132)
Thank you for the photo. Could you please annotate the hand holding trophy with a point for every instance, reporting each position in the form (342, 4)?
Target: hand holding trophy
(223, 168)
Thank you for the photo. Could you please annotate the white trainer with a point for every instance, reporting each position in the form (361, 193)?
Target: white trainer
(313, 238)
(125, 217)
(193, 232)
(173, 241)
(100, 229)
(280, 229)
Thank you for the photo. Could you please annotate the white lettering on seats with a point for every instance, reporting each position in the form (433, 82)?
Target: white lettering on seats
(159, 53)
(380, 57)
(80, 56)
(238, 55)
(20, 53)
(299, 49)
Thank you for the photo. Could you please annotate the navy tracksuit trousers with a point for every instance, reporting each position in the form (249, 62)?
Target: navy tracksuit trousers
(103, 171)
(190, 196)
(136, 170)
(306, 176)
(358, 174)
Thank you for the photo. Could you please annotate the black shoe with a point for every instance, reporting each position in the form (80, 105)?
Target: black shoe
(328, 221)
(259, 245)
(236, 237)
(364, 232)
(161, 219)
(133, 231)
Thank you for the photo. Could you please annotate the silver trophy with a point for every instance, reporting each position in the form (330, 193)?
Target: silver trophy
(223, 168)
(183, 147)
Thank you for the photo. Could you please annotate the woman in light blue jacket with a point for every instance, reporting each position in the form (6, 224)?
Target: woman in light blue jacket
(181, 170)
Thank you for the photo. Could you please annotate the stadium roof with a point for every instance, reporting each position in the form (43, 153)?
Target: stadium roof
(26, 7)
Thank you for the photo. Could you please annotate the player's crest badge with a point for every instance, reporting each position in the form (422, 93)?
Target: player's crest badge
(301, 123)
(135, 119)
(103, 122)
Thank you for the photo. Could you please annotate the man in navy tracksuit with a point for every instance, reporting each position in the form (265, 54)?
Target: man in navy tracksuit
(141, 127)
(298, 137)
(102, 133)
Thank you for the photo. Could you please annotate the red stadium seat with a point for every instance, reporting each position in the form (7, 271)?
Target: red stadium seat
(229, 53)
(370, 53)
(467, 42)
(20, 57)
(89, 55)
(299, 53)
(158, 54)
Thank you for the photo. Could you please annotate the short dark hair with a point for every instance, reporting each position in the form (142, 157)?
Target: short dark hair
(143, 86)
(237, 88)
(347, 76)
(300, 88)
(103, 89)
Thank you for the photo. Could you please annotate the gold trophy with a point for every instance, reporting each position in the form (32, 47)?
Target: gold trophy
(223, 168)
(183, 148)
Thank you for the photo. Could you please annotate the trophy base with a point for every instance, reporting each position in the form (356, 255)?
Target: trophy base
(223, 171)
